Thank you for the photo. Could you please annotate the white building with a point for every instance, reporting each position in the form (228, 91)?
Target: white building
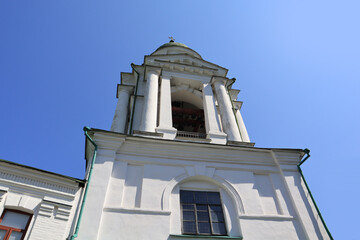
(178, 163)
(36, 204)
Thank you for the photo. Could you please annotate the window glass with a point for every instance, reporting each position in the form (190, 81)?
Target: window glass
(15, 220)
(15, 235)
(202, 213)
(2, 234)
(189, 227)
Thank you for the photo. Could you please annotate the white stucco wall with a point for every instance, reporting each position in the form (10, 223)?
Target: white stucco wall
(141, 197)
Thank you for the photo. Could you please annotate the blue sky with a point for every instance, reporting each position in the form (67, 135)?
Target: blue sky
(297, 64)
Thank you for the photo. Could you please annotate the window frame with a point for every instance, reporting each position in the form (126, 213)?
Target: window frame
(208, 211)
(9, 230)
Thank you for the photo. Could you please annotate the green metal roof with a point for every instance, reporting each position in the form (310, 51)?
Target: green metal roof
(176, 44)
(173, 44)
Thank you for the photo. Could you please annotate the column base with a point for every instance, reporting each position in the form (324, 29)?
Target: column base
(217, 137)
(168, 133)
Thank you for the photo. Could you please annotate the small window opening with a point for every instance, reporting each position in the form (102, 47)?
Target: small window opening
(188, 120)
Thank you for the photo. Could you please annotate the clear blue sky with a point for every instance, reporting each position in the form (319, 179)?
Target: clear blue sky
(297, 64)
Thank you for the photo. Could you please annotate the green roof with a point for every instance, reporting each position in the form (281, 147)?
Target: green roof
(176, 44)
(172, 44)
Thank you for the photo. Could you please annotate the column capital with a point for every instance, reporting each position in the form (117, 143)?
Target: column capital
(149, 69)
(124, 88)
(166, 76)
(237, 104)
(216, 79)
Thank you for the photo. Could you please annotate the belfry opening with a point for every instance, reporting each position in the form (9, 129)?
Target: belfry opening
(188, 119)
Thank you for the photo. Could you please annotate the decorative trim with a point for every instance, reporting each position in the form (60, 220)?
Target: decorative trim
(137, 210)
(2, 194)
(204, 236)
(274, 217)
(60, 211)
(36, 182)
(236, 143)
(153, 134)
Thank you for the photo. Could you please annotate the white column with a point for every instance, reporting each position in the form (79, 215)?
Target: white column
(165, 116)
(149, 115)
(121, 112)
(242, 128)
(212, 121)
(226, 112)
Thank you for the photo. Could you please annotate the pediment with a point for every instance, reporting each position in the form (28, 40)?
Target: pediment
(185, 63)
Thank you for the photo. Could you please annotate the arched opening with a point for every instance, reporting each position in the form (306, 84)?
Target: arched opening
(230, 206)
(188, 118)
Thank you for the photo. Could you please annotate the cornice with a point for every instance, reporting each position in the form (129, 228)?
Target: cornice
(146, 57)
(193, 151)
(197, 66)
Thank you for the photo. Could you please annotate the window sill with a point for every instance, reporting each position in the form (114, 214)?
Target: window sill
(204, 236)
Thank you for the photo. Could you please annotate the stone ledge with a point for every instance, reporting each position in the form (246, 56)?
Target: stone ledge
(236, 143)
(203, 236)
(136, 210)
(150, 134)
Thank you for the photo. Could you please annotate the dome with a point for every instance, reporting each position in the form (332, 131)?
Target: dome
(180, 48)
(172, 44)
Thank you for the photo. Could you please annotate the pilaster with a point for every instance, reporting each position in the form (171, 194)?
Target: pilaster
(241, 125)
(121, 112)
(165, 111)
(212, 121)
(98, 186)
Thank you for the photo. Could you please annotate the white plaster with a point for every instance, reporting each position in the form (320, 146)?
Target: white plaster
(133, 186)
(242, 128)
(212, 121)
(92, 214)
(165, 112)
(266, 192)
(226, 112)
(149, 116)
(121, 112)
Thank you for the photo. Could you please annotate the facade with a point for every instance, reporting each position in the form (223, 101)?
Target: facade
(178, 163)
(36, 204)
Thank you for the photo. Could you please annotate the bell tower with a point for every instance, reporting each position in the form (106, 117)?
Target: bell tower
(175, 94)
(178, 163)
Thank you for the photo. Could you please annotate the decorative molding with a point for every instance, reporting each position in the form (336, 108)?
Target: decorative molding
(2, 194)
(58, 210)
(267, 217)
(27, 180)
(203, 236)
(137, 211)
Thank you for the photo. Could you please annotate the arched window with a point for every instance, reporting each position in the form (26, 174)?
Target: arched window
(203, 206)
(202, 213)
(14, 224)
(188, 119)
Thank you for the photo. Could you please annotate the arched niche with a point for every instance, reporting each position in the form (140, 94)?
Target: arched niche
(231, 202)
(187, 110)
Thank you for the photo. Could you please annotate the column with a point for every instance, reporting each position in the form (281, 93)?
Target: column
(149, 115)
(242, 128)
(165, 116)
(212, 121)
(226, 111)
(121, 112)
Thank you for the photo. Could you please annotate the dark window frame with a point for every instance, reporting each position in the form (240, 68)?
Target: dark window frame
(9, 230)
(206, 207)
